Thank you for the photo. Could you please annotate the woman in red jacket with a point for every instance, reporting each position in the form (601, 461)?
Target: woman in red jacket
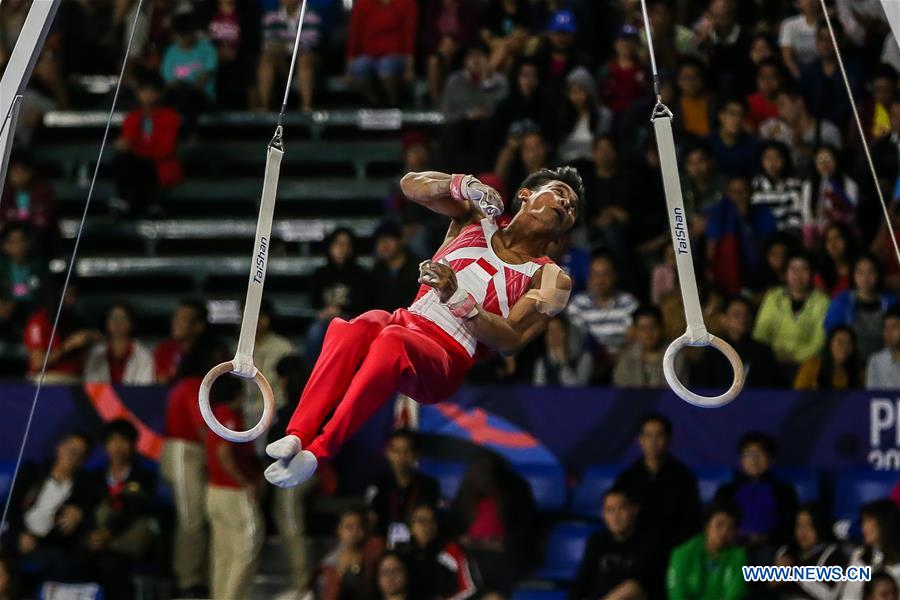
(146, 160)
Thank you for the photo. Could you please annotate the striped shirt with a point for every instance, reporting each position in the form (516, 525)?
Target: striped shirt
(607, 324)
(783, 198)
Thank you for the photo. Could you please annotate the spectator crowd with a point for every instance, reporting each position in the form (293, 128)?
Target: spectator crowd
(795, 265)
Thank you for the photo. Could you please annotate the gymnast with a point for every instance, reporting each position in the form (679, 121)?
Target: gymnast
(489, 287)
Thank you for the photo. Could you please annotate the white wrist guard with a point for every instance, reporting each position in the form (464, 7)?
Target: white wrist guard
(462, 304)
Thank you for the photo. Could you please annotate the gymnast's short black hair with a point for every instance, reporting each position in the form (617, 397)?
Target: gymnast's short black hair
(567, 175)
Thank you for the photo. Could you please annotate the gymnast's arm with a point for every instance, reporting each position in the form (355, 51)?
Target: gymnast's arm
(431, 189)
(525, 322)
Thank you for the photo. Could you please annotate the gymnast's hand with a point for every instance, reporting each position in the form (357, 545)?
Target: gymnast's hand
(438, 276)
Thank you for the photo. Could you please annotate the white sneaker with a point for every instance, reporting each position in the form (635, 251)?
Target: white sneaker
(288, 473)
(285, 448)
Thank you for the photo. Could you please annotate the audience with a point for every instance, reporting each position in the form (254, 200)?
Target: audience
(437, 568)
(396, 271)
(189, 68)
(880, 549)
(882, 372)
(392, 578)
(146, 160)
(233, 496)
(351, 569)
(797, 37)
(392, 498)
(623, 560)
(709, 564)
(640, 364)
(582, 117)
(120, 527)
(382, 42)
(22, 275)
(563, 363)
(624, 78)
(838, 367)
(812, 544)
(663, 487)
(777, 190)
(29, 198)
(268, 350)
(767, 505)
(189, 322)
(791, 317)
(120, 359)
(735, 150)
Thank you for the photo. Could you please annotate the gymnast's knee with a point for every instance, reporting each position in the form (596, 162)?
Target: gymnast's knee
(390, 345)
(365, 326)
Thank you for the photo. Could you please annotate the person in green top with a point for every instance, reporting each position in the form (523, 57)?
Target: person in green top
(791, 318)
(21, 276)
(708, 566)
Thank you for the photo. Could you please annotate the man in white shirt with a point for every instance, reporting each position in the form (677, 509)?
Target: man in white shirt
(797, 37)
(883, 370)
(46, 511)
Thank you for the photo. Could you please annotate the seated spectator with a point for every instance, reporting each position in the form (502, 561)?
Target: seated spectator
(664, 488)
(526, 102)
(603, 311)
(709, 564)
(572, 258)
(189, 322)
(791, 317)
(883, 247)
(776, 188)
(797, 37)
(146, 159)
(392, 577)
(724, 41)
(71, 342)
(225, 33)
(438, 569)
(563, 364)
(771, 270)
(268, 350)
(393, 497)
(557, 54)
(189, 68)
(863, 306)
(813, 545)
(121, 526)
(838, 367)
(395, 270)
(350, 570)
(46, 513)
(881, 587)
(582, 117)
(883, 368)
(671, 40)
(496, 513)
(767, 504)
(470, 98)
(702, 184)
(120, 359)
(608, 190)
(623, 560)
(880, 549)
(639, 365)
(736, 152)
(623, 79)
(664, 277)
(525, 152)
(760, 370)
(874, 112)
(885, 152)
(237, 529)
(506, 28)
(22, 276)
(799, 130)
(279, 31)
(734, 227)
(829, 196)
(448, 26)
(382, 42)
(340, 288)
(695, 103)
(761, 104)
(836, 257)
(28, 198)
(821, 78)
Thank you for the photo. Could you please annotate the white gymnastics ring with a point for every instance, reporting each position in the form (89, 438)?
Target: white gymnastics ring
(737, 366)
(213, 423)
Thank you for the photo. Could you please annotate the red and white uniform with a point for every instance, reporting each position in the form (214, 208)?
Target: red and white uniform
(423, 352)
(496, 285)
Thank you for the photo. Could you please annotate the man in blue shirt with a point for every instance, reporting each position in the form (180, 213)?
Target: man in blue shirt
(189, 66)
(736, 152)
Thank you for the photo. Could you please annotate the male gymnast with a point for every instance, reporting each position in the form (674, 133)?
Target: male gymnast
(490, 286)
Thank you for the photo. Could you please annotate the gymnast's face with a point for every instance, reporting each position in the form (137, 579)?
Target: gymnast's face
(554, 205)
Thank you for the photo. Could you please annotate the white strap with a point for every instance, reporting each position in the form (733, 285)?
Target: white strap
(242, 365)
(696, 333)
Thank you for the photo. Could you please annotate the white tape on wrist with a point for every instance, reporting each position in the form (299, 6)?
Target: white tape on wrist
(462, 304)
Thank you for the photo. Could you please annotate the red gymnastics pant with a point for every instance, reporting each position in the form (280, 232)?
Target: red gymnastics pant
(363, 364)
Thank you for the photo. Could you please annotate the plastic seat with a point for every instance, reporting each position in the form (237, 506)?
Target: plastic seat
(565, 549)
(856, 487)
(538, 594)
(449, 474)
(587, 497)
(709, 479)
(548, 485)
(804, 479)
